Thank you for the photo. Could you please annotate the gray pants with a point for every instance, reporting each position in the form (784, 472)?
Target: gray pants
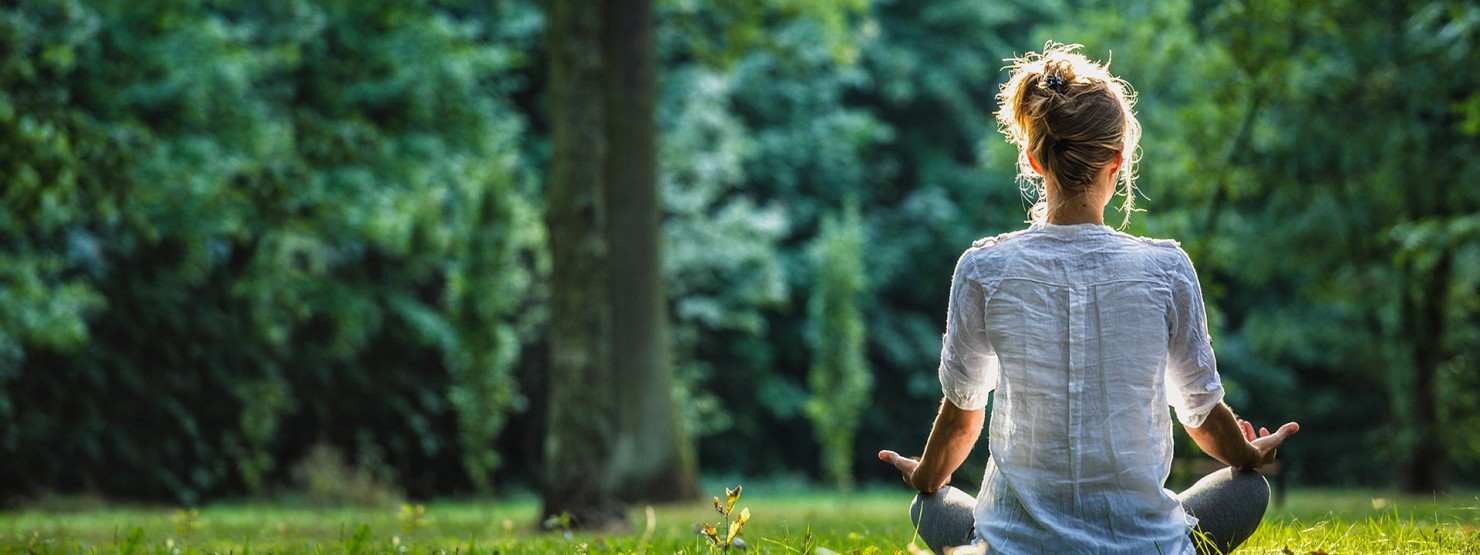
(1228, 505)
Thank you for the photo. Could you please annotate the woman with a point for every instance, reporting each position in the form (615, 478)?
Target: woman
(1086, 335)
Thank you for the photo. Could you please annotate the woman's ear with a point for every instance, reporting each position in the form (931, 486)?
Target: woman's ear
(1034, 162)
(1117, 162)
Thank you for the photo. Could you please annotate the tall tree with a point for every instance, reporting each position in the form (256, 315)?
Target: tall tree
(609, 327)
(653, 459)
(579, 438)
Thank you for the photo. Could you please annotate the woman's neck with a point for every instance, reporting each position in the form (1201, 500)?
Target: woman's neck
(1075, 212)
(1088, 207)
(1078, 209)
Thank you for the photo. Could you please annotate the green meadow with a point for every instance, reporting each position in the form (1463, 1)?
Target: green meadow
(783, 521)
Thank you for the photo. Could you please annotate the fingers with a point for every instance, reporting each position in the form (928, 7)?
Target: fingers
(1288, 429)
(890, 457)
(1266, 442)
(1270, 441)
(904, 464)
(1285, 431)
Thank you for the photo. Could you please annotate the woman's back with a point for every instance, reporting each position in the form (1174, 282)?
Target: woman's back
(1077, 325)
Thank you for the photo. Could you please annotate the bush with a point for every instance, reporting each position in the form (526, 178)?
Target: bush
(840, 379)
(240, 230)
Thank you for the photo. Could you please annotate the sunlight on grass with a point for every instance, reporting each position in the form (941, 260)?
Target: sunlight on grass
(1359, 521)
(1311, 521)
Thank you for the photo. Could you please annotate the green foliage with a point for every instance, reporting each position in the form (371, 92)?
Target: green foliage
(359, 542)
(414, 518)
(791, 131)
(232, 231)
(717, 35)
(280, 205)
(263, 404)
(720, 247)
(840, 381)
(130, 544)
(746, 365)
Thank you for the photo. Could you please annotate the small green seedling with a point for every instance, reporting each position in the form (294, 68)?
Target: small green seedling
(731, 534)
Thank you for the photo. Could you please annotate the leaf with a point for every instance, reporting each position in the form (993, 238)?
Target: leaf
(359, 542)
(132, 542)
(731, 496)
(734, 531)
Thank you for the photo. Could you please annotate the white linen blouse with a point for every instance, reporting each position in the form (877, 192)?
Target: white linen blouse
(1086, 335)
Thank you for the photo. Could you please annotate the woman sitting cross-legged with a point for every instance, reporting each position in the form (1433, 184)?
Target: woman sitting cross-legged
(1084, 336)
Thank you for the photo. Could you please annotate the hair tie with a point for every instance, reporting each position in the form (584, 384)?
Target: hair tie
(1056, 83)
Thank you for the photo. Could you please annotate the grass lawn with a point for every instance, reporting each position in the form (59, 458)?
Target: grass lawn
(784, 520)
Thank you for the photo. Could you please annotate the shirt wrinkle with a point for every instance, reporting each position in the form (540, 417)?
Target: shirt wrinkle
(1084, 335)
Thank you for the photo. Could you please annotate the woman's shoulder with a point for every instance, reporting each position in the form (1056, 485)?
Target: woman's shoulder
(985, 253)
(1171, 244)
(1169, 251)
(1152, 243)
(994, 240)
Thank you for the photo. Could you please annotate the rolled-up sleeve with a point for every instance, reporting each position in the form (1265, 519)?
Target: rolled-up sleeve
(968, 364)
(1193, 386)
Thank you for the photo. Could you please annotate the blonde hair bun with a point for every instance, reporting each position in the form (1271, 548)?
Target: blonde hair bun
(1057, 75)
(1072, 116)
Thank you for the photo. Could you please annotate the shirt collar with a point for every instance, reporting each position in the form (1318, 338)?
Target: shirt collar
(1071, 229)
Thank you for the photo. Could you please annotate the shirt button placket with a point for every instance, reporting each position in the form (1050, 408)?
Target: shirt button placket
(1076, 379)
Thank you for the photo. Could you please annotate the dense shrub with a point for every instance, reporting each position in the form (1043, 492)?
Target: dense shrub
(839, 380)
(236, 232)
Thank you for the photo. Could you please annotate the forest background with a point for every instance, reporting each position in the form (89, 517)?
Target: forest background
(244, 242)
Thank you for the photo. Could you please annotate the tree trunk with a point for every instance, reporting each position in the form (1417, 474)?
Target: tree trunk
(653, 459)
(578, 440)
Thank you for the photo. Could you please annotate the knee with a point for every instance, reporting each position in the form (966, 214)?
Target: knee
(917, 506)
(1252, 484)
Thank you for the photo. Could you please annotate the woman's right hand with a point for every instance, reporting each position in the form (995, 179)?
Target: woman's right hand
(905, 465)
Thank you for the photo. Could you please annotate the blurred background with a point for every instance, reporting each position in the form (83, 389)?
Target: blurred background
(303, 247)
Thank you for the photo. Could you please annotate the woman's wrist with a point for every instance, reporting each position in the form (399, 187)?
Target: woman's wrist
(1252, 457)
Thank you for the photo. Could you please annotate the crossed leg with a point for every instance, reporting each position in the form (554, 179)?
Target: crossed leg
(1227, 503)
